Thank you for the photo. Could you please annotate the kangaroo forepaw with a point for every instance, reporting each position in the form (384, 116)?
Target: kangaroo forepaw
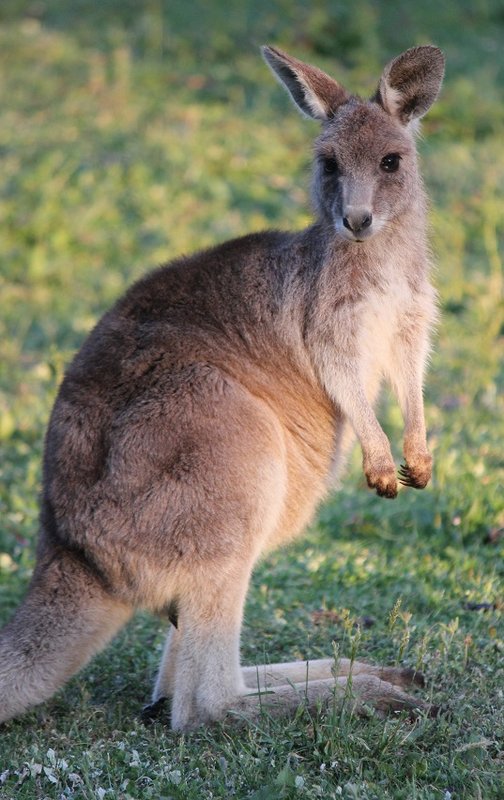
(416, 474)
(384, 480)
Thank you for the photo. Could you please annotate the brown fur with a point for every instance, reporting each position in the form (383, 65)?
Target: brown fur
(207, 414)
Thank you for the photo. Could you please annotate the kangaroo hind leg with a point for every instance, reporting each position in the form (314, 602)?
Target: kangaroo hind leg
(280, 688)
(201, 664)
(65, 619)
(165, 681)
(269, 675)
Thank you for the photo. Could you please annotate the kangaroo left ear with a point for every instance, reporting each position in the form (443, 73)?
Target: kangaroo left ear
(411, 83)
(315, 93)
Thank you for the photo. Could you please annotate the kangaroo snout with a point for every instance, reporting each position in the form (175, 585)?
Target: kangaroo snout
(358, 221)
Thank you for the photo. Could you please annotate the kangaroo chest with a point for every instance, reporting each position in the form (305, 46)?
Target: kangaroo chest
(384, 316)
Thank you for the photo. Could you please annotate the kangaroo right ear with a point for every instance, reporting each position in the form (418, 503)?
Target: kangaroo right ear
(315, 93)
(411, 82)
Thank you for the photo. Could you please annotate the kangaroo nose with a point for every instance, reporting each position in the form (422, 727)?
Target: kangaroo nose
(357, 221)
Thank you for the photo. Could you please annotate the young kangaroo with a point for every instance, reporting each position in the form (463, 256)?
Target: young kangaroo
(208, 412)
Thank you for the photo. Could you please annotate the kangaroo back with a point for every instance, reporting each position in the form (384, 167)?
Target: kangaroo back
(207, 414)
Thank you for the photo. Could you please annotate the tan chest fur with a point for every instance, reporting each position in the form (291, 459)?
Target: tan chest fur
(382, 317)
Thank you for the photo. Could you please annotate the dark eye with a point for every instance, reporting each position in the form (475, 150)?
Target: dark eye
(390, 162)
(329, 165)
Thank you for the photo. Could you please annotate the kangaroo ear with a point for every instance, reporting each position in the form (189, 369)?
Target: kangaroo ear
(315, 93)
(411, 82)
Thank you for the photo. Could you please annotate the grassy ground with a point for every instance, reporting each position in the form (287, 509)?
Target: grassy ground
(131, 132)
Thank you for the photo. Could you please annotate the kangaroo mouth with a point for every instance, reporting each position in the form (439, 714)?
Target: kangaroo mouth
(351, 236)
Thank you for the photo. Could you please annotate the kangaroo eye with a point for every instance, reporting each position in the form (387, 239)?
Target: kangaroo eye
(390, 162)
(329, 165)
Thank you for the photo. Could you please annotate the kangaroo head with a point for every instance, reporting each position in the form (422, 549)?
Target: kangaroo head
(365, 171)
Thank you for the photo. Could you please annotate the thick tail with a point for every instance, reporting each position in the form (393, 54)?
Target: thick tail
(66, 618)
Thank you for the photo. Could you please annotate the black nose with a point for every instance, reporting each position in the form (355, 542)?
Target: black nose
(357, 222)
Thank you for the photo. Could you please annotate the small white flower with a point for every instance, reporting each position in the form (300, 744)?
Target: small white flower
(299, 782)
(50, 775)
(175, 776)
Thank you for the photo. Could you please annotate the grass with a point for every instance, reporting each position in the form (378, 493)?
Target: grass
(133, 132)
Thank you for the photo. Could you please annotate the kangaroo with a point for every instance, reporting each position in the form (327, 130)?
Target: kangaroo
(210, 411)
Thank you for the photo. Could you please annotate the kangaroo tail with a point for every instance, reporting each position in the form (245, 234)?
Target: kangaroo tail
(66, 617)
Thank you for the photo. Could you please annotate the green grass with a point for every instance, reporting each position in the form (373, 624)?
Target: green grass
(131, 132)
